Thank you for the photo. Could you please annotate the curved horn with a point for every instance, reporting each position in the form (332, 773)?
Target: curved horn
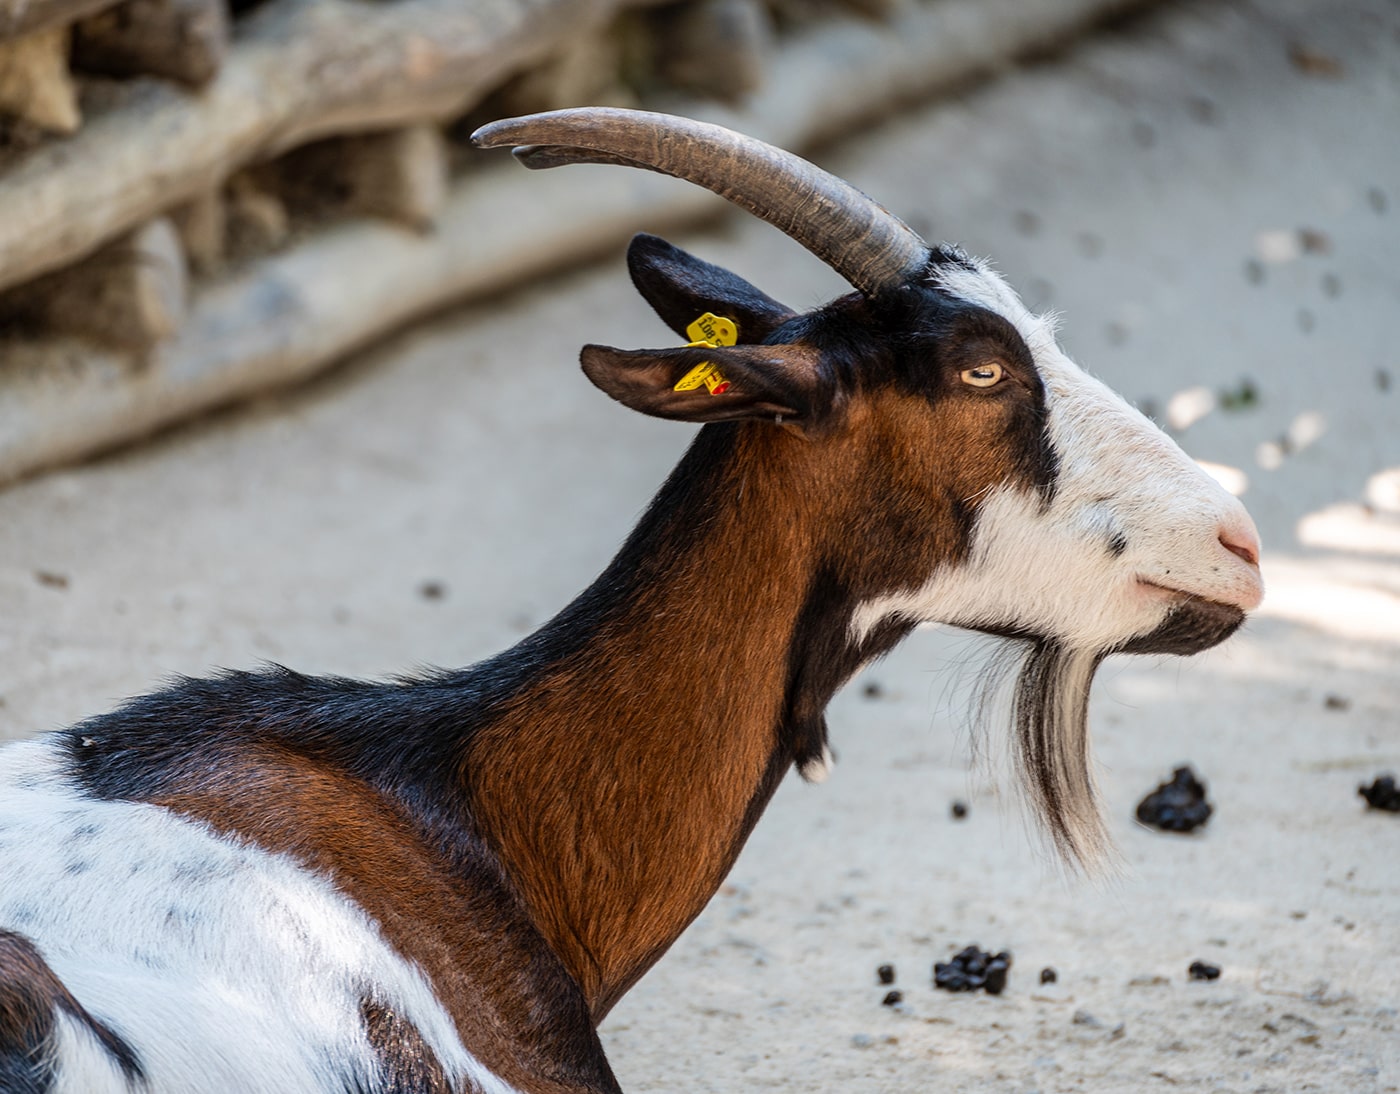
(866, 244)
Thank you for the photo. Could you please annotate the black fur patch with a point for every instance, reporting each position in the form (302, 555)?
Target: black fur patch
(821, 658)
(681, 288)
(31, 995)
(1193, 625)
(407, 1064)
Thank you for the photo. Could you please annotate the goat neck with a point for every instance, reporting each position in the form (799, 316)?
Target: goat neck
(620, 783)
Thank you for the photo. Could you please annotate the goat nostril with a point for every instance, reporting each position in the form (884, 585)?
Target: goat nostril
(1247, 551)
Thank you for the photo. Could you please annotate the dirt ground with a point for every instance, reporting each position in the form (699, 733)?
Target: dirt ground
(1211, 197)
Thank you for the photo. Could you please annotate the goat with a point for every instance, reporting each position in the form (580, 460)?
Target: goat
(264, 881)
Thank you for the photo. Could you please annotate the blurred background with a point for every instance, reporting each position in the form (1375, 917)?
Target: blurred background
(288, 372)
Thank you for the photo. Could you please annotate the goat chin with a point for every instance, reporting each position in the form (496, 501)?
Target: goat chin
(1050, 683)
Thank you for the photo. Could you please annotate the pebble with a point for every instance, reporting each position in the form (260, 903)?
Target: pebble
(1176, 806)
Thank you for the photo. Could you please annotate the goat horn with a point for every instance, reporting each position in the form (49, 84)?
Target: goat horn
(862, 241)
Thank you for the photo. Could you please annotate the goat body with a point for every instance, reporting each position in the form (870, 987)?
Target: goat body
(272, 882)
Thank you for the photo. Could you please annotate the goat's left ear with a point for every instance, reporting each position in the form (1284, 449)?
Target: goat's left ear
(681, 288)
(751, 382)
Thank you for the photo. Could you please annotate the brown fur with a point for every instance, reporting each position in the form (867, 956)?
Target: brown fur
(31, 996)
(617, 840)
(470, 940)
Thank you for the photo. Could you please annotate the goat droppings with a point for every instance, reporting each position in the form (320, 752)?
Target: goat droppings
(1176, 806)
(1382, 794)
(972, 968)
(1199, 970)
(885, 974)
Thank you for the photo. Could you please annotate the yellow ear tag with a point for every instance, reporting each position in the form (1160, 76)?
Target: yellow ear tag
(713, 331)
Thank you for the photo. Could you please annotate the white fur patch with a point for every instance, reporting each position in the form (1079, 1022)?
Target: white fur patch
(224, 967)
(1052, 570)
(818, 770)
(81, 1063)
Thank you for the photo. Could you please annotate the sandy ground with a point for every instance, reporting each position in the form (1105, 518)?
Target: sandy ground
(1211, 216)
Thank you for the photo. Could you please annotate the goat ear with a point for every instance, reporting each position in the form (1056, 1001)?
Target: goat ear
(757, 381)
(681, 288)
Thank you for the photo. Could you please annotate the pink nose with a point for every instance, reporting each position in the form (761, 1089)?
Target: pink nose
(1245, 586)
(1245, 546)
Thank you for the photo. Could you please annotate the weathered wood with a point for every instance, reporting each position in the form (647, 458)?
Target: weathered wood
(876, 9)
(257, 219)
(183, 40)
(585, 70)
(290, 314)
(714, 47)
(400, 175)
(203, 227)
(301, 70)
(131, 295)
(19, 17)
(35, 84)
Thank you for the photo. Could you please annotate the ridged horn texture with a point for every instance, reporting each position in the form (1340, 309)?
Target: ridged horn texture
(862, 241)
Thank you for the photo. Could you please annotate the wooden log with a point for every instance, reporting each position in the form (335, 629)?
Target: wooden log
(20, 17)
(400, 175)
(183, 40)
(35, 84)
(203, 227)
(876, 9)
(130, 295)
(302, 70)
(585, 70)
(288, 315)
(257, 219)
(714, 48)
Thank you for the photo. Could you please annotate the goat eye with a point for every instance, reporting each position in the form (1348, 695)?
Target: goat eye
(984, 375)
